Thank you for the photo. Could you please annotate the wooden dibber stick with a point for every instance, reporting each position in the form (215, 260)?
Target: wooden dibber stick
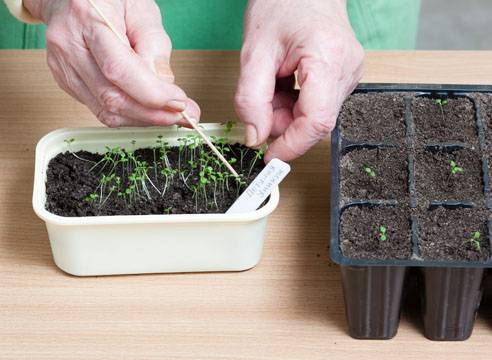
(183, 113)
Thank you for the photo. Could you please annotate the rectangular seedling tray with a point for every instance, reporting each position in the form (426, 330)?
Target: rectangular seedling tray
(137, 244)
(397, 203)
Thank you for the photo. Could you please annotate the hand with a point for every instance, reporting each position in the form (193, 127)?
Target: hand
(313, 37)
(122, 84)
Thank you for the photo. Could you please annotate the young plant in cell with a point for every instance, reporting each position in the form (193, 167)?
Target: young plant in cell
(369, 171)
(441, 103)
(382, 233)
(474, 241)
(455, 168)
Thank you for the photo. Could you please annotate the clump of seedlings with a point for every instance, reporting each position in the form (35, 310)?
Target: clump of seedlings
(146, 175)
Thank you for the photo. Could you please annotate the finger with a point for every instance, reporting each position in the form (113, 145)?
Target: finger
(68, 79)
(283, 104)
(128, 71)
(148, 38)
(254, 95)
(315, 112)
(113, 100)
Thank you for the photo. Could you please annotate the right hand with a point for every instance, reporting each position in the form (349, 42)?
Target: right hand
(122, 84)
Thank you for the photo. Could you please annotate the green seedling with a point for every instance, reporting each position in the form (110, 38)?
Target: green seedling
(441, 103)
(455, 169)
(91, 197)
(242, 153)
(369, 171)
(258, 155)
(474, 241)
(125, 176)
(228, 126)
(382, 233)
(69, 143)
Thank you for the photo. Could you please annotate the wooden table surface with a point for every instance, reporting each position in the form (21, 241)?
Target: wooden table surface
(289, 307)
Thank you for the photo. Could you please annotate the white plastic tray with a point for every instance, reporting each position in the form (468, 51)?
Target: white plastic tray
(135, 244)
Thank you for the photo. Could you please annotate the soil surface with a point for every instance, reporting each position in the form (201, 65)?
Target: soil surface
(445, 233)
(374, 118)
(71, 181)
(452, 122)
(390, 167)
(434, 179)
(359, 233)
(485, 103)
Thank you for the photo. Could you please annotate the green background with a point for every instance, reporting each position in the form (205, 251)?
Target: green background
(217, 24)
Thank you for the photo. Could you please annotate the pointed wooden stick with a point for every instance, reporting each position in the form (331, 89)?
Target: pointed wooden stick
(183, 113)
(209, 143)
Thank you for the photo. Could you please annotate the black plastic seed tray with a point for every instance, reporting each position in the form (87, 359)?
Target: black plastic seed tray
(373, 288)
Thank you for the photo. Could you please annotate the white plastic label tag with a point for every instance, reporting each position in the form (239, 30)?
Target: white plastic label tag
(262, 186)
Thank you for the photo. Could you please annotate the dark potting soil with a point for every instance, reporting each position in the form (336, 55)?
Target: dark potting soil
(390, 170)
(484, 101)
(70, 183)
(451, 122)
(446, 233)
(374, 118)
(360, 233)
(435, 181)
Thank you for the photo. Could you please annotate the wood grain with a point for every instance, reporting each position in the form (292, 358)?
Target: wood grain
(289, 307)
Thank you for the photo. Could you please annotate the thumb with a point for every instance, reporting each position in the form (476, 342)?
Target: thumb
(254, 95)
(148, 38)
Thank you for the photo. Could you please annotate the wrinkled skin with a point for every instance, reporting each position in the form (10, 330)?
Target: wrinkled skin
(118, 82)
(313, 38)
(132, 85)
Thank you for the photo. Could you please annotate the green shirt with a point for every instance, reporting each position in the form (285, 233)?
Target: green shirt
(217, 24)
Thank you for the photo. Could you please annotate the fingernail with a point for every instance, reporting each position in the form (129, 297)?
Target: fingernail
(176, 105)
(251, 136)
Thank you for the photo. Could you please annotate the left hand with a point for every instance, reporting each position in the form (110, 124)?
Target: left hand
(313, 37)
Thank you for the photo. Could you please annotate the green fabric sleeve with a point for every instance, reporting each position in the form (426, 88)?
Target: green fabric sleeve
(385, 24)
(217, 24)
(16, 35)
